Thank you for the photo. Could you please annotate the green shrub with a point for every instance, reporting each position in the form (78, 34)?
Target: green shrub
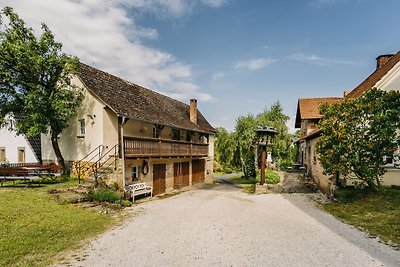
(271, 177)
(227, 170)
(103, 195)
(115, 186)
(126, 203)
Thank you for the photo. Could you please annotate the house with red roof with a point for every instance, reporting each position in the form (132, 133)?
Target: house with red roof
(386, 77)
(307, 118)
(138, 134)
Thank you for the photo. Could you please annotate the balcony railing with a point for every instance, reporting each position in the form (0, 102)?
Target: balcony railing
(152, 147)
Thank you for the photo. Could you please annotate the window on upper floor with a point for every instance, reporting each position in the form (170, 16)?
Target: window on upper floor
(176, 134)
(81, 128)
(155, 132)
(188, 136)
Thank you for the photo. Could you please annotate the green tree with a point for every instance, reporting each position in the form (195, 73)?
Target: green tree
(35, 81)
(244, 136)
(358, 133)
(275, 117)
(225, 147)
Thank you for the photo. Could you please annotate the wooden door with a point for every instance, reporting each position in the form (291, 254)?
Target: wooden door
(181, 174)
(159, 171)
(198, 171)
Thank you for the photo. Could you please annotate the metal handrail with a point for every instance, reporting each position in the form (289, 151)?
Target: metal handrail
(98, 164)
(79, 167)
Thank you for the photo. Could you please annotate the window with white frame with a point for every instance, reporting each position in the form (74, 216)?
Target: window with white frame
(81, 128)
(135, 173)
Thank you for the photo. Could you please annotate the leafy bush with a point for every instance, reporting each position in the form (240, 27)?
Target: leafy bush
(126, 203)
(103, 195)
(249, 168)
(271, 177)
(115, 186)
(227, 170)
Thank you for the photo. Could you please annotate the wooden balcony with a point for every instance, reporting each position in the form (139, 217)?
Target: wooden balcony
(138, 147)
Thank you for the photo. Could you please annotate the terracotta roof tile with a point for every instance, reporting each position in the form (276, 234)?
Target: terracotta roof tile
(374, 77)
(136, 102)
(308, 108)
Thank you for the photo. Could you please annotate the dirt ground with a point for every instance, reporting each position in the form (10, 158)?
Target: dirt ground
(290, 182)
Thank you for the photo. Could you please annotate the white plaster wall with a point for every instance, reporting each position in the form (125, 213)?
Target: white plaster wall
(391, 177)
(73, 147)
(11, 141)
(391, 81)
(324, 182)
(110, 131)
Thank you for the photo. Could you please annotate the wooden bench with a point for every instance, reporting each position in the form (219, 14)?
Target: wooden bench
(16, 174)
(140, 189)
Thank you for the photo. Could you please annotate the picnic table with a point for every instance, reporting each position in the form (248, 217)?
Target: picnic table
(28, 173)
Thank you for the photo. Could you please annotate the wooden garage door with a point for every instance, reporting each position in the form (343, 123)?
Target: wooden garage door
(159, 171)
(181, 174)
(198, 171)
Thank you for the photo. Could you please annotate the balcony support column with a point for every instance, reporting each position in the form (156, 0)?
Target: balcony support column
(121, 122)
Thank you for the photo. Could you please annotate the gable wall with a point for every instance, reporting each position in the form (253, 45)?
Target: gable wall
(391, 81)
(11, 141)
(96, 118)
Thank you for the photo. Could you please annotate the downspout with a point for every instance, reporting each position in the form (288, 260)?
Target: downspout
(123, 151)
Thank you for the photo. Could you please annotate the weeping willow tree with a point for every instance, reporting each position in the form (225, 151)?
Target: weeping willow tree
(238, 148)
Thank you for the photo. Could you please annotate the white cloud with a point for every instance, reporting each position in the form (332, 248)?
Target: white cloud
(217, 76)
(102, 34)
(165, 9)
(254, 64)
(214, 3)
(314, 59)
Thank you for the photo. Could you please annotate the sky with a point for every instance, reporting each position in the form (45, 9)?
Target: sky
(235, 56)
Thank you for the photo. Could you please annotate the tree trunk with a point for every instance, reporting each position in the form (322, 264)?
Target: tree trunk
(57, 151)
(256, 159)
(242, 162)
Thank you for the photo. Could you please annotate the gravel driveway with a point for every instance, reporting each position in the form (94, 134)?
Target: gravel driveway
(218, 225)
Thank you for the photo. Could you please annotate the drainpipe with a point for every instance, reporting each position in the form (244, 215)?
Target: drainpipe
(123, 151)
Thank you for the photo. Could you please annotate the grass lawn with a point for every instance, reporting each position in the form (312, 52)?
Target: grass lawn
(34, 228)
(379, 214)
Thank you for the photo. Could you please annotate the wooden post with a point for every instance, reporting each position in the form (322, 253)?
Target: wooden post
(122, 149)
(263, 157)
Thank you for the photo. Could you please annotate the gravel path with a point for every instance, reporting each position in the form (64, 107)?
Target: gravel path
(217, 225)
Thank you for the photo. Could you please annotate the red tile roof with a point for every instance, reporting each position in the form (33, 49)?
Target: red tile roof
(308, 108)
(136, 102)
(378, 74)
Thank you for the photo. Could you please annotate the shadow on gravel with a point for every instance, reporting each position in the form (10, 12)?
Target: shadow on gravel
(375, 248)
(221, 183)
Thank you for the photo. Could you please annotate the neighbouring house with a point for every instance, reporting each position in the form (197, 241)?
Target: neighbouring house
(149, 137)
(307, 118)
(16, 148)
(385, 77)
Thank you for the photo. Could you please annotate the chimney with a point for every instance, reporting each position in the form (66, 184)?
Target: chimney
(346, 92)
(193, 110)
(382, 59)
